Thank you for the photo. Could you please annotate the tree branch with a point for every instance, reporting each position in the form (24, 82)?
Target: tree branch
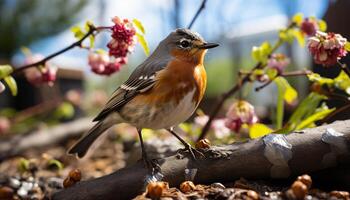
(44, 60)
(274, 156)
(202, 6)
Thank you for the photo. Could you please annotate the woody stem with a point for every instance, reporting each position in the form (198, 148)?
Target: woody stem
(236, 88)
(49, 57)
(202, 6)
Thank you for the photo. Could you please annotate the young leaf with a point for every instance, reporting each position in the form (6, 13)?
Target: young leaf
(271, 73)
(298, 18)
(23, 165)
(78, 33)
(143, 43)
(347, 46)
(290, 94)
(322, 25)
(11, 83)
(280, 103)
(92, 41)
(300, 37)
(138, 25)
(55, 163)
(314, 117)
(258, 130)
(342, 81)
(5, 70)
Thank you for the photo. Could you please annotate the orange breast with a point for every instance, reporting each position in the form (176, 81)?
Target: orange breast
(175, 81)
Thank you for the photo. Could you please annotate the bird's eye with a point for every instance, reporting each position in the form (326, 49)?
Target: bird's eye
(185, 43)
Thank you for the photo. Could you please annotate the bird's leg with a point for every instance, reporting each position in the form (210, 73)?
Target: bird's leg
(188, 147)
(152, 165)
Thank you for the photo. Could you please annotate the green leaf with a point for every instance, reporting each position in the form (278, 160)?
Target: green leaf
(280, 103)
(271, 73)
(5, 70)
(314, 77)
(322, 25)
(260, 53)
(347, 46)
(138, 25)
(23, 165)
(78, 32)
(64, 111)
(299, 37)
(290, 95)
(143, 43)
(56, 163)
(287, 35)
(258, 130)
(11, 83)
(92, 41)
(298, 18)
(306, 123)
(342, 82)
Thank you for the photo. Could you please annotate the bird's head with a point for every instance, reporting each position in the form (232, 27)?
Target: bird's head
(187, 45)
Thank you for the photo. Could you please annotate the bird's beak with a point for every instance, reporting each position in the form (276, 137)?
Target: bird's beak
(208, 45)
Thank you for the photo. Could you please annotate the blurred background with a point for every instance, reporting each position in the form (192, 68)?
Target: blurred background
(43, 27)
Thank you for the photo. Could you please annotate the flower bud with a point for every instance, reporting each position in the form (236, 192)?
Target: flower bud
(309, 26)
(241, 112)
(278, 61)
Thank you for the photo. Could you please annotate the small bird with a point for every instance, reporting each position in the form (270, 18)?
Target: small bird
(161, 93)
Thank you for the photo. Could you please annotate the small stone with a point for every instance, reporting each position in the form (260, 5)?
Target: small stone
(6, 193)
(306, 179)
(155, 189)
(252, 195)
(187, 186)
(340, 194)
(55, 183)
(218, 185)
(75, 175)
(299, 189)
(15, 183)
(203, 144)
(22, 192)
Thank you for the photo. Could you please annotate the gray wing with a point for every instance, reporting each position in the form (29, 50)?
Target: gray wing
(141, 80)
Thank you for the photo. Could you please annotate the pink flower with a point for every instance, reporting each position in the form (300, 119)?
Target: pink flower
(217, 125)
(4, 125)
(2, 87)
(103, 64)
(309, 26)
(278, 61)
(46, 74)
(241, 112)
(123, 38)
(327, 48)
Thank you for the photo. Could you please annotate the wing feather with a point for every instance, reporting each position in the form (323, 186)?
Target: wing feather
(141, 80)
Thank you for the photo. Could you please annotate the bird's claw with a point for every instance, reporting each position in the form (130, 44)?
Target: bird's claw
(192, 151)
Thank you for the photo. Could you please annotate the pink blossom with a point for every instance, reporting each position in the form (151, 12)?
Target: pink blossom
(327, 48)
(4, 125)
(309, 26)
(278, 61)
(217, 125)
(41, 74)
(123, 38)
(241, 112)
(103, 64)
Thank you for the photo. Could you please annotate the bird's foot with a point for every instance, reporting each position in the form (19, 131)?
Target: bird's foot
(195, 154)
(151, 164)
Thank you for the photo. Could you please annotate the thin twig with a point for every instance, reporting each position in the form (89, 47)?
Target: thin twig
(236, 88)
(197, 13)
(345, 68)
(44, 60)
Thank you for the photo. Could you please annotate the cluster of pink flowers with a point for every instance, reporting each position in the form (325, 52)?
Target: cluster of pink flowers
(309, 26)
(278, 61)
(123, 38)
(46, 74)
(123, 42)
(241, 112)
(102, 63)
(327, 48)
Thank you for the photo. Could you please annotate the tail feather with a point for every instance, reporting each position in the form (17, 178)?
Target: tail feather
(83, 145)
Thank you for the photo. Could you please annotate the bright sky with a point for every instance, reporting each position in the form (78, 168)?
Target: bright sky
(218, 17)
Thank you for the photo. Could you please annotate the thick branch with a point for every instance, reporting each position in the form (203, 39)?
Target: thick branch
(274, 156)
(43, 137)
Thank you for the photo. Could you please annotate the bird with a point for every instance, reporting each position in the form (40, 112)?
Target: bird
(160, 93)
